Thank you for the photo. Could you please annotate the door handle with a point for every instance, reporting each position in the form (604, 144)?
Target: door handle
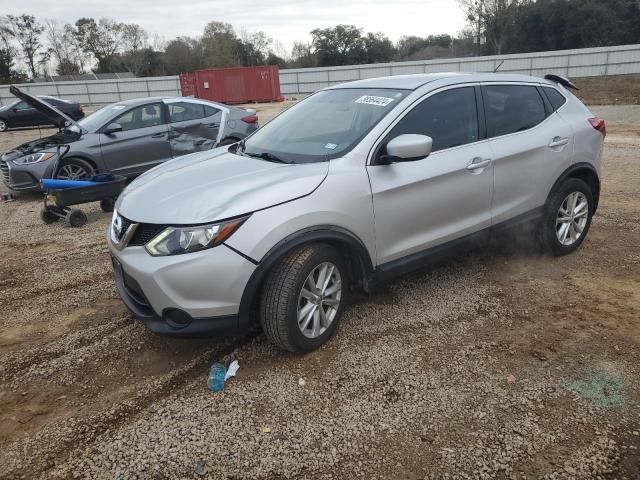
(213, 125)
(559, 142)
(478, 162)
(159, 135)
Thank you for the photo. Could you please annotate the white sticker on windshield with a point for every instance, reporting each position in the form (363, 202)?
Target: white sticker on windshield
(331, 146)
(373, 100)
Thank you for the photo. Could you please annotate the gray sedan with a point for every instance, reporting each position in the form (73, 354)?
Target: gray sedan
(125, 138)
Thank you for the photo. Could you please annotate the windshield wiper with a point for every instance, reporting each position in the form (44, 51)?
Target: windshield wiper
(267, 156)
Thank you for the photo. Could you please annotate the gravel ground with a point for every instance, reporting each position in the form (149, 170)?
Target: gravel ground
(500, 364)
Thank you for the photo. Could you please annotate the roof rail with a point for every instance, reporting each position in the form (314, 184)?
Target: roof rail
(565, 82)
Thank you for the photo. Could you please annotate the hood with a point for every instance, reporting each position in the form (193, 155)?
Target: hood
(58, 118)
(215, 185)
(46, 143)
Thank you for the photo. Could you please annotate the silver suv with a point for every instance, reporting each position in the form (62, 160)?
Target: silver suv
(357, 182)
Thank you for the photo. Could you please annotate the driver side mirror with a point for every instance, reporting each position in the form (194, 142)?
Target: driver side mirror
(112, 128)
(407, 148)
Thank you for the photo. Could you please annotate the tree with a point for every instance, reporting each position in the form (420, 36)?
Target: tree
(378, 48)
(27, 31)
(273, 59)
(8, 74)
(340, 45)
(64, 49)
(220, 44)
(302, 55)
(102, 39)
(183, 54)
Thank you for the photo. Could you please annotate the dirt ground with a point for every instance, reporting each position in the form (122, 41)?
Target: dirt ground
(500, 364)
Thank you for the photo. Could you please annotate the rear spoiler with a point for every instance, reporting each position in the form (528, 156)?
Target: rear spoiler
(565, 82)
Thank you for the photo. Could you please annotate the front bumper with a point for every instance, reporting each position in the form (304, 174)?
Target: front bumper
(21, 178)
(183, 295)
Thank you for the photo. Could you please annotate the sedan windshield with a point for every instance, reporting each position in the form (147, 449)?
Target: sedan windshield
(325, 125)
(99, 118)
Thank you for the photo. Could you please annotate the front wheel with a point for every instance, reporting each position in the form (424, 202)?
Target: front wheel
(567, 217)
(3, 125)
(74, 169)
(303, 298)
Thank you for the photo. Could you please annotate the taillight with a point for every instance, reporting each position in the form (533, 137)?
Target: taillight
(80, 108)
(250, 119)
(599, 125)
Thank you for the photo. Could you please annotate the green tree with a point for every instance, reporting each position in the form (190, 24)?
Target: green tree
(339, 45)
(378, 48)
(102, 39)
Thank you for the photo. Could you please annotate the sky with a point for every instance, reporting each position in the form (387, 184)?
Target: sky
(285, 21)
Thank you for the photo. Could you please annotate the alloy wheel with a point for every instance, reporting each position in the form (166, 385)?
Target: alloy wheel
(72, 171)
(572, 218)
(3, 126)
(319, 300)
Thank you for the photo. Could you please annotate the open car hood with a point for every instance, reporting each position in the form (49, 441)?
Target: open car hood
(58, 118)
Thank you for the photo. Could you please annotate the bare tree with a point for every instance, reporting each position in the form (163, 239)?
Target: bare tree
(27, 32)
(491, 22)
(69, 57)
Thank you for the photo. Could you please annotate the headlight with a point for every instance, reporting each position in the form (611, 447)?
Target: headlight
(34, 158)
(178, 240)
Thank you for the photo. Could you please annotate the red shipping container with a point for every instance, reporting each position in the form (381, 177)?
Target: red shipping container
(234, 85)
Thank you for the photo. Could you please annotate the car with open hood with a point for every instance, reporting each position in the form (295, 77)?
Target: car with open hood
(125, 138)
(356, 183)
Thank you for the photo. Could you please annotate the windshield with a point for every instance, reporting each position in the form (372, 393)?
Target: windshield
(323, 126)
(100, 117)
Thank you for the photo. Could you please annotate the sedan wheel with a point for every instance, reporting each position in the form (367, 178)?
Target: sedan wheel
(73, 170)
(3, 126)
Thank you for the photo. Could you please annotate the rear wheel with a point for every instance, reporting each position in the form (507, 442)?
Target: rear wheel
(3, 125)
(567, 217)
(74, 169)
(303, 298)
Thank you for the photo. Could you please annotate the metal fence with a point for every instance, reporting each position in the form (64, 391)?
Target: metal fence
(99, 92)
(586, 62)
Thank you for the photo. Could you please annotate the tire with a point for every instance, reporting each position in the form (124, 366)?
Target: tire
(74, 169)
(282, 298)
(107, 204)
(4, 126)
(75, 218)
(228, 141)
(552, 228)
(47, 217)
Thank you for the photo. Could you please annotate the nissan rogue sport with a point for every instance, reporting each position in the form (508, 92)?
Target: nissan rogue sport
(357, 182)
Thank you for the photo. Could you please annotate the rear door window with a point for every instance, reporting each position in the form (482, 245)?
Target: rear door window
(555, 97)
(450, 118)
(512, 108)
(183, 111)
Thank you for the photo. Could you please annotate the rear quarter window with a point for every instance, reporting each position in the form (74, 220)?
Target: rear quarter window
(555, 97)
(513, 108)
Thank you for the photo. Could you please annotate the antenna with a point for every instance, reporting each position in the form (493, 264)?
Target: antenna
(498, 66)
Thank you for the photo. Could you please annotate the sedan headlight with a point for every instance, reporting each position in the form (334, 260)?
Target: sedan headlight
(178, 240)
(34, 158)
